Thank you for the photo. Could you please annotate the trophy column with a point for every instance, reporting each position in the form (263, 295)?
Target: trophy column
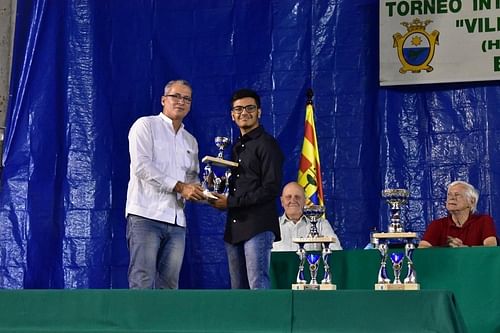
(317, 255)
(396, 198)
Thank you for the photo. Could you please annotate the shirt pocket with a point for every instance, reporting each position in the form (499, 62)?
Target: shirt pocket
(162, 154)
(188, 161)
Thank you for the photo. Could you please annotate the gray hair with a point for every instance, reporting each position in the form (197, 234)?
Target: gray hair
(171, 83)
(470, 192)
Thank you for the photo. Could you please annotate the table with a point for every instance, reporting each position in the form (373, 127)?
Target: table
(85, 311)
(472, 274)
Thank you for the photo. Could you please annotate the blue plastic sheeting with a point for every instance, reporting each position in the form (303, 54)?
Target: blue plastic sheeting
(85, 70)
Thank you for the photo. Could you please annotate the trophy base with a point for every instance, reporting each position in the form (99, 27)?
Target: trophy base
(383, 235)
(392, 286)
(219, 161)
(319, 239)
(305, 286)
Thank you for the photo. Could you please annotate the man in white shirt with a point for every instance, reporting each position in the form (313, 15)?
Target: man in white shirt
(294, 224)
(164, 171)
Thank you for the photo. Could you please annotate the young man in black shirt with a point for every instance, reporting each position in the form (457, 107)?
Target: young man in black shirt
(252, 216)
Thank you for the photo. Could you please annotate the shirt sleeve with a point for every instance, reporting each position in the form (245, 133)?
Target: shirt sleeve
(488, 227)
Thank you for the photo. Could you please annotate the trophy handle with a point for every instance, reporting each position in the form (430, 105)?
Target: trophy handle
(301, 252)
(227, 175)
(382, 272)
(208, 178)
(411, 275)
(327, 278)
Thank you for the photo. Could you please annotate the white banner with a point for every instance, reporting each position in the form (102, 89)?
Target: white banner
(433, 41)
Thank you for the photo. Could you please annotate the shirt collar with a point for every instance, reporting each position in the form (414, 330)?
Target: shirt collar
(469, 220)
(253, 134)
(286, 219)
(169, 121)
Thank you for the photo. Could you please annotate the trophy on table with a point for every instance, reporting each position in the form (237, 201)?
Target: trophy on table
(396, 198)
(211, 181)
(320, 250)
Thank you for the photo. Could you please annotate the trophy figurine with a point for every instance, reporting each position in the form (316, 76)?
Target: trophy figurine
(318, 243)
(211, 181)
(396, 198)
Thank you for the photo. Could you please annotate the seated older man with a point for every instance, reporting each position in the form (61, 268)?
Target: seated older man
(294, 224)
(463, 226)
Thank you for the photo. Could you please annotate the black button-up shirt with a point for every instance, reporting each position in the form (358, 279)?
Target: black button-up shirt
(254, 187)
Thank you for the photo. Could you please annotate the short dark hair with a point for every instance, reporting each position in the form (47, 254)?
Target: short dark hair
(243, 93)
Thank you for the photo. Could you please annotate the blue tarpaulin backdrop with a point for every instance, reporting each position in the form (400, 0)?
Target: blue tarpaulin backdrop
(84, 71)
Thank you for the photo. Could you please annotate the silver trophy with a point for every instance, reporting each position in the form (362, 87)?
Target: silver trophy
(318, 243)
(213, 183)
(396, 198)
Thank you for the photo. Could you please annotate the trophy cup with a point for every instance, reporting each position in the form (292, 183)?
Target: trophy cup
(211, 181)
(319, 244)
(397, 260)
(396, 198)
(313, 213)
(312, 259)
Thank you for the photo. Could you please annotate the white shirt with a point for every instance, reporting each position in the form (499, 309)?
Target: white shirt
(159, 158)
(290, 230)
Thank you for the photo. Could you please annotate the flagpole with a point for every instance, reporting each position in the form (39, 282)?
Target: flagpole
(309, 95)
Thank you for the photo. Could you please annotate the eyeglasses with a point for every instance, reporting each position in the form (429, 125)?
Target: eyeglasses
(179, 97)
(249, 108)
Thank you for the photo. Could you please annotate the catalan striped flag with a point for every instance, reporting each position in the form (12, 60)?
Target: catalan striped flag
(309, 168)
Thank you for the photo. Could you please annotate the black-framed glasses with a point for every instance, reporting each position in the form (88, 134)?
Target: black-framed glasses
(249, 108)
(179, 97)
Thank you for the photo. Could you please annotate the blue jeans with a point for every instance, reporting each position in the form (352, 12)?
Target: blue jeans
(249, 262)
(156, 252)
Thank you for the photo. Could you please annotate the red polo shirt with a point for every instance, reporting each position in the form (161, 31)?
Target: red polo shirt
(475, 230)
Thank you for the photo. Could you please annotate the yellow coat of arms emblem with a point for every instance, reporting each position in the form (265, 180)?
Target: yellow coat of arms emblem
(416, 47)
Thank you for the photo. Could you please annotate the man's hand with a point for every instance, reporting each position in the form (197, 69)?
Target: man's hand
(455, 242)
(220, 202)
(190, 191)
